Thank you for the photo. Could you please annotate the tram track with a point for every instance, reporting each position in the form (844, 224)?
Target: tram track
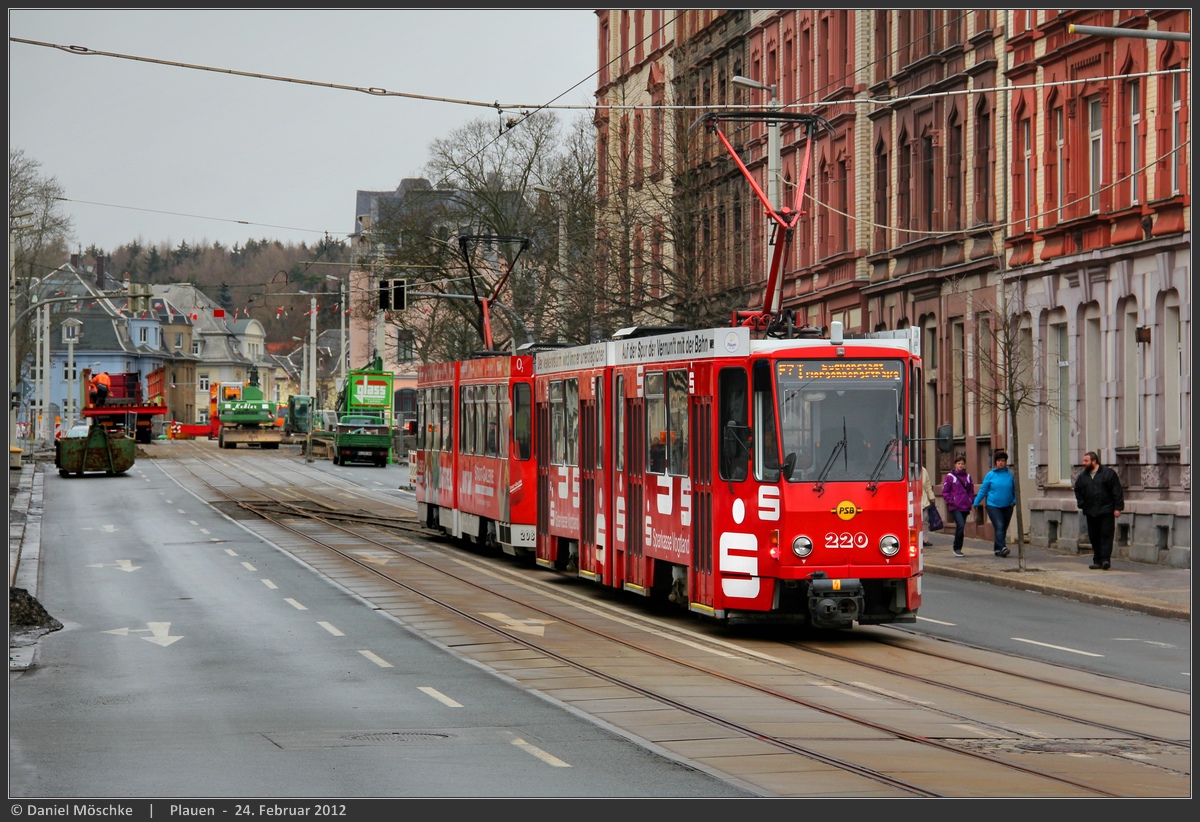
(276, 498)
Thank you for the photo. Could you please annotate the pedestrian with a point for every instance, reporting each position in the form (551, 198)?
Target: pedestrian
(958, 490)
(999, 491)
(929, 503)
(1098, 494)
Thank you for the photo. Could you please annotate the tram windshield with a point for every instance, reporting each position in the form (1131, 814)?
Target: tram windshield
(841, 419)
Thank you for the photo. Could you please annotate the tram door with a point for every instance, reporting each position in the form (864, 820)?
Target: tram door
(700, 583)
(635, 513)
(589, 563)
(546, 542)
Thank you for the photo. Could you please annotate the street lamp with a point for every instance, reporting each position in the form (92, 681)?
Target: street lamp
(773, 164)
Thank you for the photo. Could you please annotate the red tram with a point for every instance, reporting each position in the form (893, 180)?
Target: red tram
(748, 480)
(753, 473)
(474, 476)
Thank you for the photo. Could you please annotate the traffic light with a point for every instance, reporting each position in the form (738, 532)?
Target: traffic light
(391, 295)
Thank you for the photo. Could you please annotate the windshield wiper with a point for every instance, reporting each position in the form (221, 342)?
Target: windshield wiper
(838, 448)
(887, 450)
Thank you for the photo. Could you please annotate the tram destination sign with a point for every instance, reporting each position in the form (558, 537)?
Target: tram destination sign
(705, 344)
(842, 370)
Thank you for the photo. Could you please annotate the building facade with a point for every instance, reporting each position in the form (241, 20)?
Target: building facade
(1018, 191)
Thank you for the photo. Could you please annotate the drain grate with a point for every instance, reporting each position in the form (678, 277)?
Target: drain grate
(396, 736)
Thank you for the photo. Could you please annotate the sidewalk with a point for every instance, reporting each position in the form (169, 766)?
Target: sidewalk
(1158, 590)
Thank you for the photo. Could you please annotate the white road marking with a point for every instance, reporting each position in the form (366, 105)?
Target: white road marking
(1146, 641)
(934, 621)
(553, 761)
(892, 694)
(847, 692)
(248, 566)
(205, 531)
(439, 696)
(330, 629)
(180, 510)
(382, 663)
(294, 604)
(1055, 647)
(192, 522)
(269, 584)
(231, 552)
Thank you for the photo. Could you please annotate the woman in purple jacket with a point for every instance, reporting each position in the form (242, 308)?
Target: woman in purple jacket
(958, 490)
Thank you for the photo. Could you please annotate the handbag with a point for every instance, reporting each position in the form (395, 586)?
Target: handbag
(935, 519)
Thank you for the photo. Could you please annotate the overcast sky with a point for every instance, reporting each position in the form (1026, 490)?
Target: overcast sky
(159, 153)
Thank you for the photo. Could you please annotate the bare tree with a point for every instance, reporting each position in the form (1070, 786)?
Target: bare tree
(39, 246)
(484, 187)
(1007, 378)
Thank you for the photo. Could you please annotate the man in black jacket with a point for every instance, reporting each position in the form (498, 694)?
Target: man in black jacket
(1098, 494)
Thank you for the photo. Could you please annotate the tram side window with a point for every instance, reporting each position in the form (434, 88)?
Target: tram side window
(522, 432)
(619, 422)
(493, 422)
(734, 420)
(558, 445)
(677, 416)
(571, 420)
(466, 419)
(656, 423)
(447, 426)
(599, 394)
(480, 444)
(766, 444)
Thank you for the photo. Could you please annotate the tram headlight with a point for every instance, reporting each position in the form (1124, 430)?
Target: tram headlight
(889, 546)
(802, 546)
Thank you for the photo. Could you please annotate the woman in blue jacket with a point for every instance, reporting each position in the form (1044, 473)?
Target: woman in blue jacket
(999, 490)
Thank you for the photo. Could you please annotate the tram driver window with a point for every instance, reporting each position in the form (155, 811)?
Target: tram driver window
(766, 444)
(734, 421)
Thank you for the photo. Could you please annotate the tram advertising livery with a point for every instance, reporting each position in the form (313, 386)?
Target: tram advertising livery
(753, 473)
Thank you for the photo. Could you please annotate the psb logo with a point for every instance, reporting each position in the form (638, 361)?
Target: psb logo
(846, 510)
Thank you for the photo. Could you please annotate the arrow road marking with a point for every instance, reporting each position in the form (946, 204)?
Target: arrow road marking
(120, 565)
(161, 633)
(527, 626)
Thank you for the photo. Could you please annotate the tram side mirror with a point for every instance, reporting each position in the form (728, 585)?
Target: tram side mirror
(789, 465)
(736, 441)
(945, 438)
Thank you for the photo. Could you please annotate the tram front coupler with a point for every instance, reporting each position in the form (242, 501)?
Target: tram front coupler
(834, 603)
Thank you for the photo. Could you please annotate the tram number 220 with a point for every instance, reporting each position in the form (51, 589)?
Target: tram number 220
(845, 540)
